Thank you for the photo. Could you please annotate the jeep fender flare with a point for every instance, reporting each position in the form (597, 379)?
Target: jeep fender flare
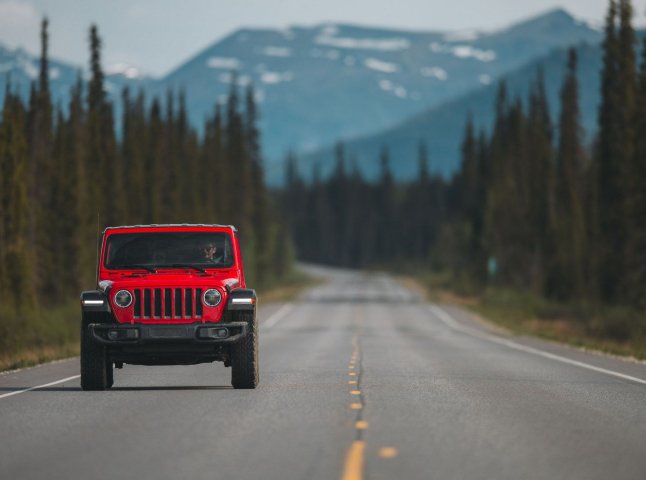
(242, 299)
(95, 301)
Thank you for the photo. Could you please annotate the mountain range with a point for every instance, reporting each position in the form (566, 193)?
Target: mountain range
(441, 128)
(319, 84)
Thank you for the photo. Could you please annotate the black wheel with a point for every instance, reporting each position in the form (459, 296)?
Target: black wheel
(244, 354)
(94, 361)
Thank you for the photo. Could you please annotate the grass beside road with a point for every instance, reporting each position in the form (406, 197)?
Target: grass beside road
(289, 288)
(39, 336)
(615, 330)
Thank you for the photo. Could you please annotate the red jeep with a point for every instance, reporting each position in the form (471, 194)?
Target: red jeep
(169, 295)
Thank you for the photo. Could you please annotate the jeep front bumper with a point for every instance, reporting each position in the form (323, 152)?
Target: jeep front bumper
(198, 333)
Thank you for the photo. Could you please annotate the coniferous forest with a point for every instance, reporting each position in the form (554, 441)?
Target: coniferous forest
(533, 207)
(66, 173)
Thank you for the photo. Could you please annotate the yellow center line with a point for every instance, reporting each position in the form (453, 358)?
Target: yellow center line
(355, 458)
(388, 452)
(353, 468)
(361, 424)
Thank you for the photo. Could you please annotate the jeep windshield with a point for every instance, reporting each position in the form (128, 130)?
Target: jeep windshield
(155, 250)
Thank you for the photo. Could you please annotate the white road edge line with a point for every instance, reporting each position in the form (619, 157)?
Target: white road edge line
(450, 322)
(279, 315)
(18, 392)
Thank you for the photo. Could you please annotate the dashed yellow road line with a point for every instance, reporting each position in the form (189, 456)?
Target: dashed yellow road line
(355, 458)
(388, 452)
(361, 424)
(353, 469)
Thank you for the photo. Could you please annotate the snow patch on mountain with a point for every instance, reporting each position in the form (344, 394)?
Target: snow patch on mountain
(225, 63)
(464, 51)
(485, 79)
(229, 78)
(329, 30)
(124, 69)
(273, 78)
(389, 86)
(381, 44)
(467, 51)
(386, 85)
(401, 92)
(435, 72)
(380, 65)
(28, 67)
(273, 51)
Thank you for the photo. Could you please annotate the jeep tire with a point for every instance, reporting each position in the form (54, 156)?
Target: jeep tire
(244, 354)
(94, 361)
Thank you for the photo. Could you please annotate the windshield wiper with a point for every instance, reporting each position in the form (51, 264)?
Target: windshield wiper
(134, 266)
(183, 265)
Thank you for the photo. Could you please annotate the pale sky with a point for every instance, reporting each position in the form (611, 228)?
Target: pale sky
(157, 35)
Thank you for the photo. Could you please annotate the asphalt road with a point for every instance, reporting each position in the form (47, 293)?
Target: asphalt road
(359, 379)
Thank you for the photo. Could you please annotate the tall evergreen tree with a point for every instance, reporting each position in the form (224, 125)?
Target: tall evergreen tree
(636, 204)
(385, 202)
(211, 171)
(41, 170)
(540, 183)
(238, 206)
(108, 199)
(610, 200)
(470, 191)
(264, 246)
(570, 225)
(154, 153)
(16, 260)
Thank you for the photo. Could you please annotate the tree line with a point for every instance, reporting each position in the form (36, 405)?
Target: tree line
(66, 173)
(532, 205)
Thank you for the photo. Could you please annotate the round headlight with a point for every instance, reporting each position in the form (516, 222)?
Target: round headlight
(212, 298)
(123, 298)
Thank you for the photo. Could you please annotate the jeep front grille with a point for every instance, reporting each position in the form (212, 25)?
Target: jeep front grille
(168, 303)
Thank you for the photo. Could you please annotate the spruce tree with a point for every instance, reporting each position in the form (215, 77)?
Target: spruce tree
(469, 182)
(610, 199)
(14, 162)
(384, 202)
(238, 205)
(83, 235)
(264, 245)
(571, 162)
(214, 173)
(541, 183)
(636, 202)
(40, 172)
(154, 153)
